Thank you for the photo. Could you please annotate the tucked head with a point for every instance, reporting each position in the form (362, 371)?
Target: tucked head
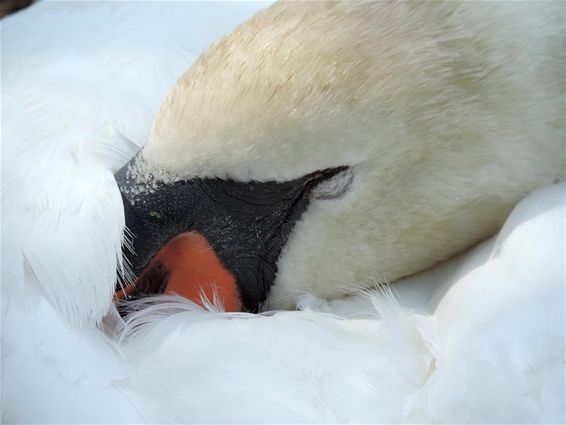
(322, 145)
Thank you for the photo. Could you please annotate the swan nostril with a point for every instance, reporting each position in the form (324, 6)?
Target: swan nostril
(330, 183)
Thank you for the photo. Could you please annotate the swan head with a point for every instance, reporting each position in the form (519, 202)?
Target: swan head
(322, 146)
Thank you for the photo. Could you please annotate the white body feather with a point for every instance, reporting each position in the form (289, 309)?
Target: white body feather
(477, 339)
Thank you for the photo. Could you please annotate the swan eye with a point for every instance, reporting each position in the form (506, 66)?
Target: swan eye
(329, 184)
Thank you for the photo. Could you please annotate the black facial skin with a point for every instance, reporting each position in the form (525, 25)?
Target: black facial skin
(246, 223)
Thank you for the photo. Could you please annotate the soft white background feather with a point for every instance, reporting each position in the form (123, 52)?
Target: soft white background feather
(478, 339)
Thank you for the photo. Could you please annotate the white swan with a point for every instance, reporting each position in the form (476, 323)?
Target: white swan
(491, 347)
(423, 103)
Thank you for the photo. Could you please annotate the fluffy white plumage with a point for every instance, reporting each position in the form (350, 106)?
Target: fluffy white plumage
(478, 339)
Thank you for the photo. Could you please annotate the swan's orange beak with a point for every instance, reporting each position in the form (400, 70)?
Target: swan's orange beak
(188, 266)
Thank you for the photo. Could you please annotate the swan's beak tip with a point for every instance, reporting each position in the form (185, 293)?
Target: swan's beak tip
(188, 266)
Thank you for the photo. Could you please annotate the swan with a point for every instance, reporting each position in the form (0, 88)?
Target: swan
(282, 135)
(477, 338)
